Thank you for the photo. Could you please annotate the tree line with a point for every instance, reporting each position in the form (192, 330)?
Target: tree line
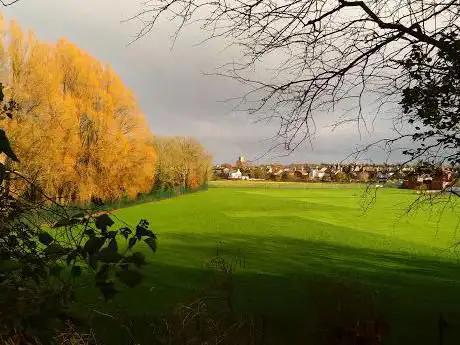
(78, 130)
(181, 162)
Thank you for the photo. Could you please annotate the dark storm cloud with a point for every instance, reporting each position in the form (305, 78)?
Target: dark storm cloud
(173, 92)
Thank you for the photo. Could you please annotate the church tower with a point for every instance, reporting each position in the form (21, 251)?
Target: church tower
(241, 162)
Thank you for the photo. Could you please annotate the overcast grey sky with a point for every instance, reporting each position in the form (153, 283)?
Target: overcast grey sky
(172, 90)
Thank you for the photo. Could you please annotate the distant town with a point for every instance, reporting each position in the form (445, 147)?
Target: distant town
(418, 176)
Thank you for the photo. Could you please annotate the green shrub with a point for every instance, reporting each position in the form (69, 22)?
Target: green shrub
(39, 263)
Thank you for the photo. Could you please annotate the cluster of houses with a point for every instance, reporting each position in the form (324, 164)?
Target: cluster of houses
(410, 177)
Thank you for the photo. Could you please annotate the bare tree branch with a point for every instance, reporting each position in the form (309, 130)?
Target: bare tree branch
(6, 4)
(334, 51)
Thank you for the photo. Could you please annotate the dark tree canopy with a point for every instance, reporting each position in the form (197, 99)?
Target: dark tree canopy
(432, 102)
(331, 53)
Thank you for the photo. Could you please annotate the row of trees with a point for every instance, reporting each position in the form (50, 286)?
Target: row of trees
(182, 162)
(77, 129)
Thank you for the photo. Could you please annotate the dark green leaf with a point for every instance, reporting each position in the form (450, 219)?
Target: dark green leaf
(23, 235)
(108, 290)
(12, 241)
(55, 270)
(113, 246)
(109, 256)
(30, 273)
(45, 238)
(142, 228)
(30, 244)
(5, 146)
(132, 242)
(93, 245)
(9, 265)
(103, 221)
(129, 277)
(111, 234)
(79, 215)
(149, 233)
(27, 271)
(41, 272)
(125, 232)
(89, 233)
(92, 261)
(136, 258)
(75, 271)
(2, 95)
(71, 257)
(152, 243)
(103, 273)
(141, 231)
(80, 251)
(65, 222)
(55, 249)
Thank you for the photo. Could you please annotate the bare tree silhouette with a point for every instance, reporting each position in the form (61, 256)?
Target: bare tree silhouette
(331, 53)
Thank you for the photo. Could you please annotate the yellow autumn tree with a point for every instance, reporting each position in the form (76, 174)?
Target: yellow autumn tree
(182, 162)
(78, 129)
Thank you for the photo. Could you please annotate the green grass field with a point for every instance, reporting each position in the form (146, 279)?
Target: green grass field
(296, 244)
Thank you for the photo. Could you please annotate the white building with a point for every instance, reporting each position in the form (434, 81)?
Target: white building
(318, 173)
(235, 175)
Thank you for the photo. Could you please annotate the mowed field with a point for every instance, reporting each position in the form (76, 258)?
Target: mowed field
(294, 245)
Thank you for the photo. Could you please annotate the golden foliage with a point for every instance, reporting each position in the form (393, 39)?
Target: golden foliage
(181, 162)
(78, 131)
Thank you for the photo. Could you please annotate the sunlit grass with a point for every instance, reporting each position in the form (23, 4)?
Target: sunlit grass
(296, 240)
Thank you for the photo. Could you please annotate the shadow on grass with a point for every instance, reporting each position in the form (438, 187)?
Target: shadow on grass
(291, 291)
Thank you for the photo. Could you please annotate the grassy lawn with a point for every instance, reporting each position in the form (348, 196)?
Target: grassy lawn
(280, 185)
(296, 244)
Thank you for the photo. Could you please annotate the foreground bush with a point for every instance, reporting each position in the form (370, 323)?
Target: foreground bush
(39, 266)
